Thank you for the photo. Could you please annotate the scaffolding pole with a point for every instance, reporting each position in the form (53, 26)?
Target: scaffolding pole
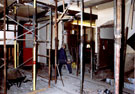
(15, 41)
(22, 25)
(91, 62)
(50, 35)
(5, 51)
(77, 53)
(118, 29)
(81, 50)
(34, 46)
(123, 46)
(56, 41)
(37, 28)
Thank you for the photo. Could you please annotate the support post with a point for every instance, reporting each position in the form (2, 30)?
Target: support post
(34, 46)
(17, 54)
(119, 25)
(50, 49)
(15, 64)
(77, 53)
(15, 41)
(56, 41)
(81, 50)
(123, 46)
(5, 51)
(91, 62)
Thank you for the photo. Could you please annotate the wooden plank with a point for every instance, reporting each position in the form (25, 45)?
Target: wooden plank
(37, 91)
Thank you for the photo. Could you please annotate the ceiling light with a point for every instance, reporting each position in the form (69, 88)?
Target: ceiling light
(1, 5)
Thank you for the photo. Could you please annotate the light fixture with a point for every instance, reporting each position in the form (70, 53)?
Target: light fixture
(1, 5)
(88, 46)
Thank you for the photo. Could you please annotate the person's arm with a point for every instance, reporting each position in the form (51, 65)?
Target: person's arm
(65, 55)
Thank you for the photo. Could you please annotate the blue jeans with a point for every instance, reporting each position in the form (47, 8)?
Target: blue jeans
(61, 63)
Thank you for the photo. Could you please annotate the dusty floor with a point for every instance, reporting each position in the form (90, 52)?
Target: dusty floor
(71, 85)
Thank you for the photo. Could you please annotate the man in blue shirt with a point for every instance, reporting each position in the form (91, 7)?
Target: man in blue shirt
(62, 59)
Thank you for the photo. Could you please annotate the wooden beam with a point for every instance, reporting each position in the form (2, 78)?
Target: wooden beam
(90, 4)
(37, 91)
(62, 15)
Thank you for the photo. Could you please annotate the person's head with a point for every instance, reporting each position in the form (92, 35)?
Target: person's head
(64, 46)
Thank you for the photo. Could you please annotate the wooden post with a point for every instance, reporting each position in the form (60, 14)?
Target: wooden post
(5, 51)
(56, 41)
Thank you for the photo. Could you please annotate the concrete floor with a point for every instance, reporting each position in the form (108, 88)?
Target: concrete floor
(71, 85)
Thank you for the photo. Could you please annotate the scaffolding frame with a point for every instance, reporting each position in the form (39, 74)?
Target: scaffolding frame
(35, 28)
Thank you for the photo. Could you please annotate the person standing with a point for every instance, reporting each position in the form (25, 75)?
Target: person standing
(62, 59)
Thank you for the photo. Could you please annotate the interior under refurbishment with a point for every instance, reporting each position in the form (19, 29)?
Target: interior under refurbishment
(36, 29)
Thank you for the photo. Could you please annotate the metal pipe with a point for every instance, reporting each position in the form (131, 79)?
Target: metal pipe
(43, 56)
(63, 4)
(123, 46)
(22, 25)
(50, 35)
(15, 55)
(27, 33)
(18, 39)
(132, 13)
(5, 51)
(62, 15)
(91, 44)
(62, 32)
(118, 27)
(24, 62)
(56, 41)
(15, 41)
(81, 50)
(34, 46)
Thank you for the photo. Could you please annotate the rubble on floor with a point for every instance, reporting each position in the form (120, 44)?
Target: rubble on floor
(71, 85)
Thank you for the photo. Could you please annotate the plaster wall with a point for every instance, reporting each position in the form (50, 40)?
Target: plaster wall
(105, 13)
(44, 35)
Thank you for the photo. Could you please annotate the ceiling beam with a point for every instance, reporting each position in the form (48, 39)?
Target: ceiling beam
(89, 4)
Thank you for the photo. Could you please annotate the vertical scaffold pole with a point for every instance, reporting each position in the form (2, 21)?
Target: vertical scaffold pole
(118, 29)
(15, 41)
(81, 50)
(34, 47)
(5, 51)
(56, 41)
(91, 44)
(50, 49)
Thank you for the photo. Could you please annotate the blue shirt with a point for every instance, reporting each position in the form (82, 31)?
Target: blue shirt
(62, 55)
